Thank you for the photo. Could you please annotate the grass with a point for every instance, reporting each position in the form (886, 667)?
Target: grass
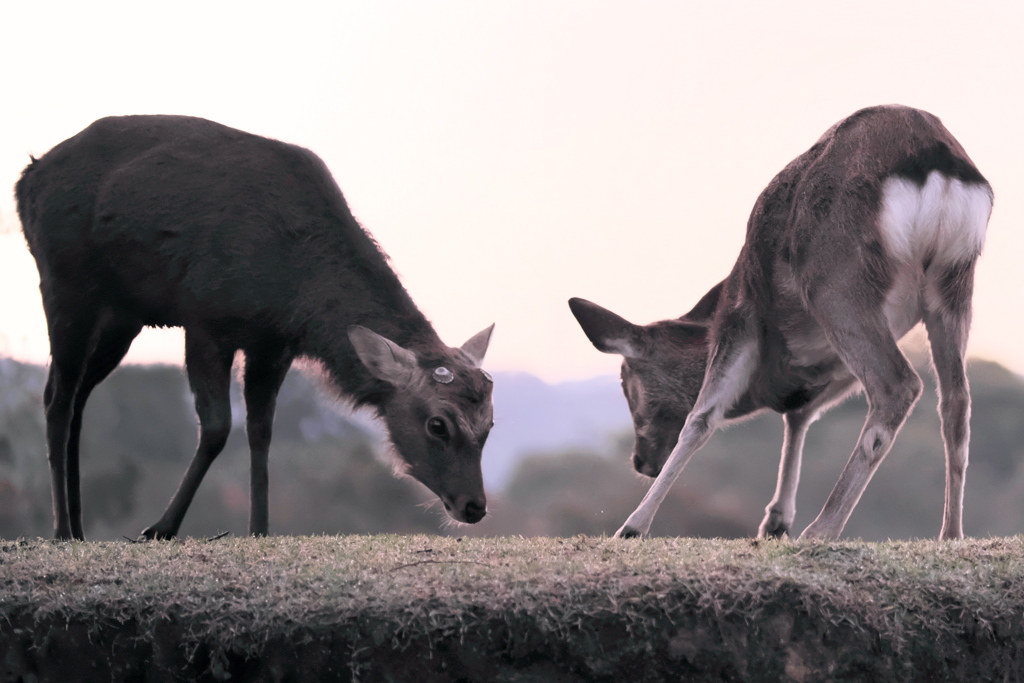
(572, 609)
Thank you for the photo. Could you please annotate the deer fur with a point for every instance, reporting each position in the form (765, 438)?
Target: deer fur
(248, 244)
(875, 228)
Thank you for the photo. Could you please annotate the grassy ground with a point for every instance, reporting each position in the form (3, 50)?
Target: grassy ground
(424, 608)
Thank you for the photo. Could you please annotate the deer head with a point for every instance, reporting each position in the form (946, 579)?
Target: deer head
(663, 368)
(439, 415)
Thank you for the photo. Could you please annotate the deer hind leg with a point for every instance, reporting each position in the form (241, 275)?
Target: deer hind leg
(947, 321)
(866, 345)
(68, 350)
(728, 375)
(781, 511)
(83, 340)
(114, 338)
(265, 370)
(209, 374)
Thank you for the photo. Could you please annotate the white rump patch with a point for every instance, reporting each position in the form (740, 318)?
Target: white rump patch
(945, 219)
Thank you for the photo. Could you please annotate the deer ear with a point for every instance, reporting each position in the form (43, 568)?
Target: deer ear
(384, 358)
(476, 346)
(608, 332)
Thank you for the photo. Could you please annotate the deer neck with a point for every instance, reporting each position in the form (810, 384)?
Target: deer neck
(394, 317)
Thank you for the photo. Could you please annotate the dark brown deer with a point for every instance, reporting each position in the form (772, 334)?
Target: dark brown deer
(875, 228)
(246, 243)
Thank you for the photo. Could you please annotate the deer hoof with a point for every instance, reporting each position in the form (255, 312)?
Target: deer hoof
(628, 532)
(773, 527)
(154, 534)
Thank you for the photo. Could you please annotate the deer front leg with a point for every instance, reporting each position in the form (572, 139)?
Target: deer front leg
(781, 511)
(264, 373)
(209, 374)
(727, 377)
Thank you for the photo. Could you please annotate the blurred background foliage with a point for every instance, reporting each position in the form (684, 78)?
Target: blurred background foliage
(329, 469)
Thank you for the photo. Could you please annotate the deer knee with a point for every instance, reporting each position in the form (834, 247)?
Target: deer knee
(955, 400)
(875, 443)
(215, 437)
(57, 458)
(214, 429)
(57, 400)
(259, 431)
(893, 400)
(956, 468)
(955, 414)
(908, 391)
(699, 423)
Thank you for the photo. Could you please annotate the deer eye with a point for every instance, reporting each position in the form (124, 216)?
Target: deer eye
(437, 428)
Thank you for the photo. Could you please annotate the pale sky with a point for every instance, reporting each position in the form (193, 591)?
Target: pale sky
(510, 155)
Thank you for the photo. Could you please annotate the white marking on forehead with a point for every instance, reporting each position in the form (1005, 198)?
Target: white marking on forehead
(945, 218)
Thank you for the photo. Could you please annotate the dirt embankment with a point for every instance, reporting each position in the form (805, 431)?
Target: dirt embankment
(419, 608)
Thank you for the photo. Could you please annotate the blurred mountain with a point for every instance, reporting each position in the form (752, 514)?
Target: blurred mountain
(24, 477)
(531, 416)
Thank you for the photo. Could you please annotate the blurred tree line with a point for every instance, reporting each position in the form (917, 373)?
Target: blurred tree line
(329, 472)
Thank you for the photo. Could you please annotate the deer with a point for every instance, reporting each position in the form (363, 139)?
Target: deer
(875, 228)
(248, 244)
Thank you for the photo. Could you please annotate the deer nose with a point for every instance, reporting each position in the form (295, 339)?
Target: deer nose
(643, 467)
(469, 509)
(475, 510)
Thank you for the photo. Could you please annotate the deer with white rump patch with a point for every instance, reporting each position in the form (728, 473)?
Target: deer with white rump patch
(247, 243)
(875, 228)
